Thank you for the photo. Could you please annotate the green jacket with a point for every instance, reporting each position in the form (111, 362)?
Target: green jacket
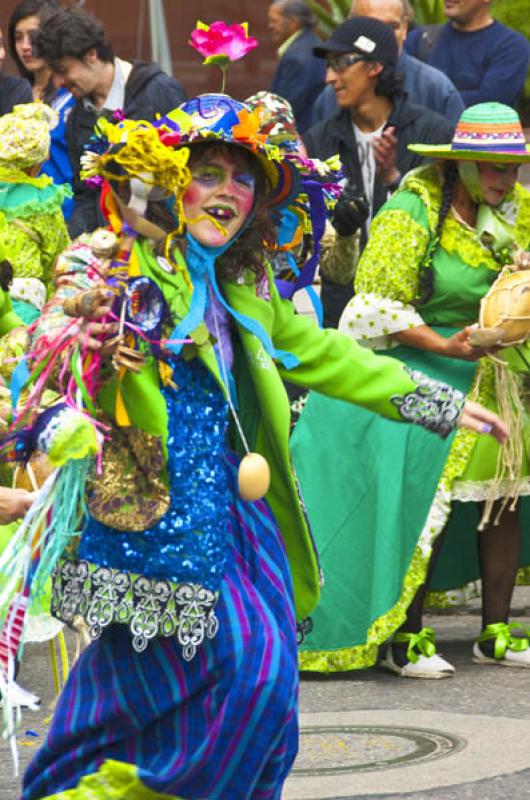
(8, 319)
(329, 362)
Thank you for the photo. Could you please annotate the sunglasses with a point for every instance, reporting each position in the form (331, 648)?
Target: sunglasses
(340, 62)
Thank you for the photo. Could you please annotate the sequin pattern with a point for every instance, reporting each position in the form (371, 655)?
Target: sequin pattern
(188, 543)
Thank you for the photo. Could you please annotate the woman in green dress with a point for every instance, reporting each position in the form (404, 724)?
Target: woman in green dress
(382, 499)
(33, 232)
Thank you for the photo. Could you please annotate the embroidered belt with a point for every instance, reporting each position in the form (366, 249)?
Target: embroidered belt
(150, 607)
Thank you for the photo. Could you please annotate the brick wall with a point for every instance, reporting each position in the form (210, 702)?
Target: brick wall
(127, 23)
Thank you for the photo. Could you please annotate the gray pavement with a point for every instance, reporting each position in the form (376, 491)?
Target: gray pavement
(491, 703)
(353, 724)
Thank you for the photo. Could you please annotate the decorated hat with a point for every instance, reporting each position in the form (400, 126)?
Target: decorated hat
(485, 132)
(276, 117)
(25, 135)
(127, 149)
(218, 117)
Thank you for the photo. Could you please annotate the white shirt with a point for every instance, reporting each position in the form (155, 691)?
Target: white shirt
(116, 96)
(366, 156)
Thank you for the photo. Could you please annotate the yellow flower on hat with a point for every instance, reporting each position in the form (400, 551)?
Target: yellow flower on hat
(25, 135)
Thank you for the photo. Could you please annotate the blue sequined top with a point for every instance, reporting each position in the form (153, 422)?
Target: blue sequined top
(188, 544)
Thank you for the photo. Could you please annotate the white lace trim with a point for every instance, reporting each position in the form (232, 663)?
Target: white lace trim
(471, 491)
(372, 319)
(436, 519)
(455, 597)
(42, 628)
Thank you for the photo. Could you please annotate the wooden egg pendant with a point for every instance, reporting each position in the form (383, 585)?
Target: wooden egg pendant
(253, 477)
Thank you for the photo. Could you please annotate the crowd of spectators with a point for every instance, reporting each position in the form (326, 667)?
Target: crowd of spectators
(69, 63)
(376, 86)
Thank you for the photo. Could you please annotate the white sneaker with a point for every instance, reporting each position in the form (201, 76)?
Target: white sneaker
(511, 658)
(427, 667)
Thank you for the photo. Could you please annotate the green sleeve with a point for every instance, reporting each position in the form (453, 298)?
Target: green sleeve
(399, 235)
(522, 223)
(335, 365)
(8, 319)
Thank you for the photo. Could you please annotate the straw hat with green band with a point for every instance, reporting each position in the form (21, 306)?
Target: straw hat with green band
(485, 132)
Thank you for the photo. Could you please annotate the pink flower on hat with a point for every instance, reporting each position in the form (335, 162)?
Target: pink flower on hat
(220, 43)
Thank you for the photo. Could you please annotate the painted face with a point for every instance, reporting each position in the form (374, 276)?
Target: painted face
(464, 12)
(79, 76)
(219, 199)
(497, 180)
(25, 29)
(353, 83)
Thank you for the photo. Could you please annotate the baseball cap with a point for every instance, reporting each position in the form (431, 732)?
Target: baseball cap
(364, 35)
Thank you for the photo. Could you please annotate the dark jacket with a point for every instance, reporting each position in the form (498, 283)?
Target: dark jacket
(148, 92)
(299, 77)
(424, 85)
(413, 124)
(13, 91)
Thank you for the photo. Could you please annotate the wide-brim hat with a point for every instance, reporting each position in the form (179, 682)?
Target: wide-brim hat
(485, 132)
(218, 117)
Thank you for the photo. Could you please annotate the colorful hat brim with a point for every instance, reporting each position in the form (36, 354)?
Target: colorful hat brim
(283, 176)
(445, 151)
(284, 179)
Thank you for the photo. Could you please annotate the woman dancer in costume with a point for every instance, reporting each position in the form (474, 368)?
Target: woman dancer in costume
(381, 514)
(32, 228)
(190, 687)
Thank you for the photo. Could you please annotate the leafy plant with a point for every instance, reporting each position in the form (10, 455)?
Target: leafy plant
(331, 13)
(428, 12)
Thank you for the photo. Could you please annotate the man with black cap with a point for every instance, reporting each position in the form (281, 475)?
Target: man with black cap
(373, 127)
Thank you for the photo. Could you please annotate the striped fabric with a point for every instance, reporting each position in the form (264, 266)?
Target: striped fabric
(223, 726)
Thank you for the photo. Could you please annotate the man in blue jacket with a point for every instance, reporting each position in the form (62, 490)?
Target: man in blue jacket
(75, 46)
(299, 76)
(485, 60)
(424, 84)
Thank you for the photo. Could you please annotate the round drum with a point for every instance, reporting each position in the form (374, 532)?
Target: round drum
(506, 308)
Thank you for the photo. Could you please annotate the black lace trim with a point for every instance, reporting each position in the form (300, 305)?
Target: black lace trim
(303, 628)
(103, 596)
(433, 405)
